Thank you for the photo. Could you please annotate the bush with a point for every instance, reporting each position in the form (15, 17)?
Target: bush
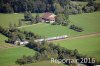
(78, 29)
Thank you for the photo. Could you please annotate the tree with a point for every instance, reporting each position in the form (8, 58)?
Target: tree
(28, 16)
(58, 8)
(38, 56)
(10, 25)
(20, 23)
(76, 52)
(59, 19)
(37, 18)
(7, 8)
(33, 20)
(91, 3)
(66, 11)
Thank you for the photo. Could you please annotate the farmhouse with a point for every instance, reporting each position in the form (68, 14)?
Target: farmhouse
(48, 17)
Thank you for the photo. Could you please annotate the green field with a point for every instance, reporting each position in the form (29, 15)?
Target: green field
(10, 55)
(47, 30)
(88, 21)
(3, 44)
(89, 46)
(5, 19)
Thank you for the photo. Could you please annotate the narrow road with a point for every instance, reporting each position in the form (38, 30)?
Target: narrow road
(78, 37)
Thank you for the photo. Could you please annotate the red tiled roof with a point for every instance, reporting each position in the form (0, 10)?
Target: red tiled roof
(46, 15)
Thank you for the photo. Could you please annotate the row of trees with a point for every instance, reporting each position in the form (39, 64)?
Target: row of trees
(28, 17)
(78, 29)
(40, 6)
(37, 6)
(91, 7)
(14, 34)
(46, 51)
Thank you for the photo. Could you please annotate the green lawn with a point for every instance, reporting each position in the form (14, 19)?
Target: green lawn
(89, 46)
(10, 55)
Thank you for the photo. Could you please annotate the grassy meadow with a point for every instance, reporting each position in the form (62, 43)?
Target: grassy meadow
(3, 44)
(6, 19)
(89, 46)
(88, 21)
(10, 55)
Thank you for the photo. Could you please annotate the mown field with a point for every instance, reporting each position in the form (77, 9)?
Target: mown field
(89, 46)
(10, 55)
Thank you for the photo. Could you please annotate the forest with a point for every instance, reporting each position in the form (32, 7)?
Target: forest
(40, 6)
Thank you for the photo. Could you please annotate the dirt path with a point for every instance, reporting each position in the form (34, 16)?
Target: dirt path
(78, 37)
(28, 25)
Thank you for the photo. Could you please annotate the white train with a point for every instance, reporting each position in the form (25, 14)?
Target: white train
(52, 38)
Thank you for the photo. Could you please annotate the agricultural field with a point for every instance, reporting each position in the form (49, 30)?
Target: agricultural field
(89, 46)
(10, 55)
(89, 22)
(6, 19)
